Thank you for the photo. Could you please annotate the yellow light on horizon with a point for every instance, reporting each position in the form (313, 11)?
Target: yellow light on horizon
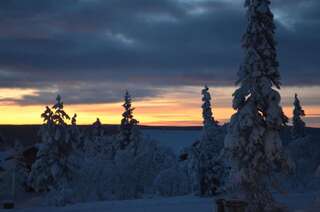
(176, 107)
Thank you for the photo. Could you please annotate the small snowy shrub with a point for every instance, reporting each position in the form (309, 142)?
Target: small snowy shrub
(172, 182)
(205, 167)
(95, 180)
(60, 196)
(138, 169)
(129, 175)
(304, 153)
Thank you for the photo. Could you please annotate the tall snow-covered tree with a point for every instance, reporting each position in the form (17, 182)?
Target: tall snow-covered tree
(52, 167)
(298, 129)
(207, 115)
(210, 125)
(253, 142)
(205, 166)
(129, 133)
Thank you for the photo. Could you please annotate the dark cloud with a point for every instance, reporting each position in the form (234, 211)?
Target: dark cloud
(142, 44)
(83, 93)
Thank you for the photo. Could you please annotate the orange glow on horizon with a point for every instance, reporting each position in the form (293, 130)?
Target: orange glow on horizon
(180, 107)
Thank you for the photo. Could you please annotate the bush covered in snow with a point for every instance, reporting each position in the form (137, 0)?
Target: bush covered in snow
(95, 180)
(173, 181)
(137, 171)
(127, 176)
(306, 156)
(204, 164)
(12, 168)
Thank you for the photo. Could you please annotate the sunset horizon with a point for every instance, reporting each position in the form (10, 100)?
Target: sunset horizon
(178, 106)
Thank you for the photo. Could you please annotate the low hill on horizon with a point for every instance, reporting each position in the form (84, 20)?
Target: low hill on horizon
(28, 134)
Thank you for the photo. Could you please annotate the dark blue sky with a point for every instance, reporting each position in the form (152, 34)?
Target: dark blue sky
(91, 50)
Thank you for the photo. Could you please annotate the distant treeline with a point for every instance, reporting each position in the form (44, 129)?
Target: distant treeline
(27, 134)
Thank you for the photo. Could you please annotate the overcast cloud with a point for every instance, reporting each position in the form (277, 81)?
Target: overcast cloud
(92, 50)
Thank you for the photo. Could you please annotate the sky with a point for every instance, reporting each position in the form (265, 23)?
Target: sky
(162, 51)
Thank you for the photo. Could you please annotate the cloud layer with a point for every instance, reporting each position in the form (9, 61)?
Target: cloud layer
(92, 50)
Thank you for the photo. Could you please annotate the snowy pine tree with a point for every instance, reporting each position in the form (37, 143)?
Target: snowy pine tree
(96, 144)
(208, 119)
(129, 132)
(204, 165)
(204, 155)
(75, 134)
(96, 128)
(74, 120)
(253, 140)
(298, 129)
(210, 125)
(52, 167)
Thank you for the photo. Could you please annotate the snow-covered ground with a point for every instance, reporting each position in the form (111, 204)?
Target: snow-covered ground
(175, 204)
(297, 202)
(175, 139)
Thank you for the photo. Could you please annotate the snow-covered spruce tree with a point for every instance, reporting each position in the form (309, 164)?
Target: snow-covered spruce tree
(298, 129)
(129, 132)
(253, 140)
(75, 134)
(96, 128)
(96, 144)
(207, 115)
(52, 167)
(204, 155)
(92, 138)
